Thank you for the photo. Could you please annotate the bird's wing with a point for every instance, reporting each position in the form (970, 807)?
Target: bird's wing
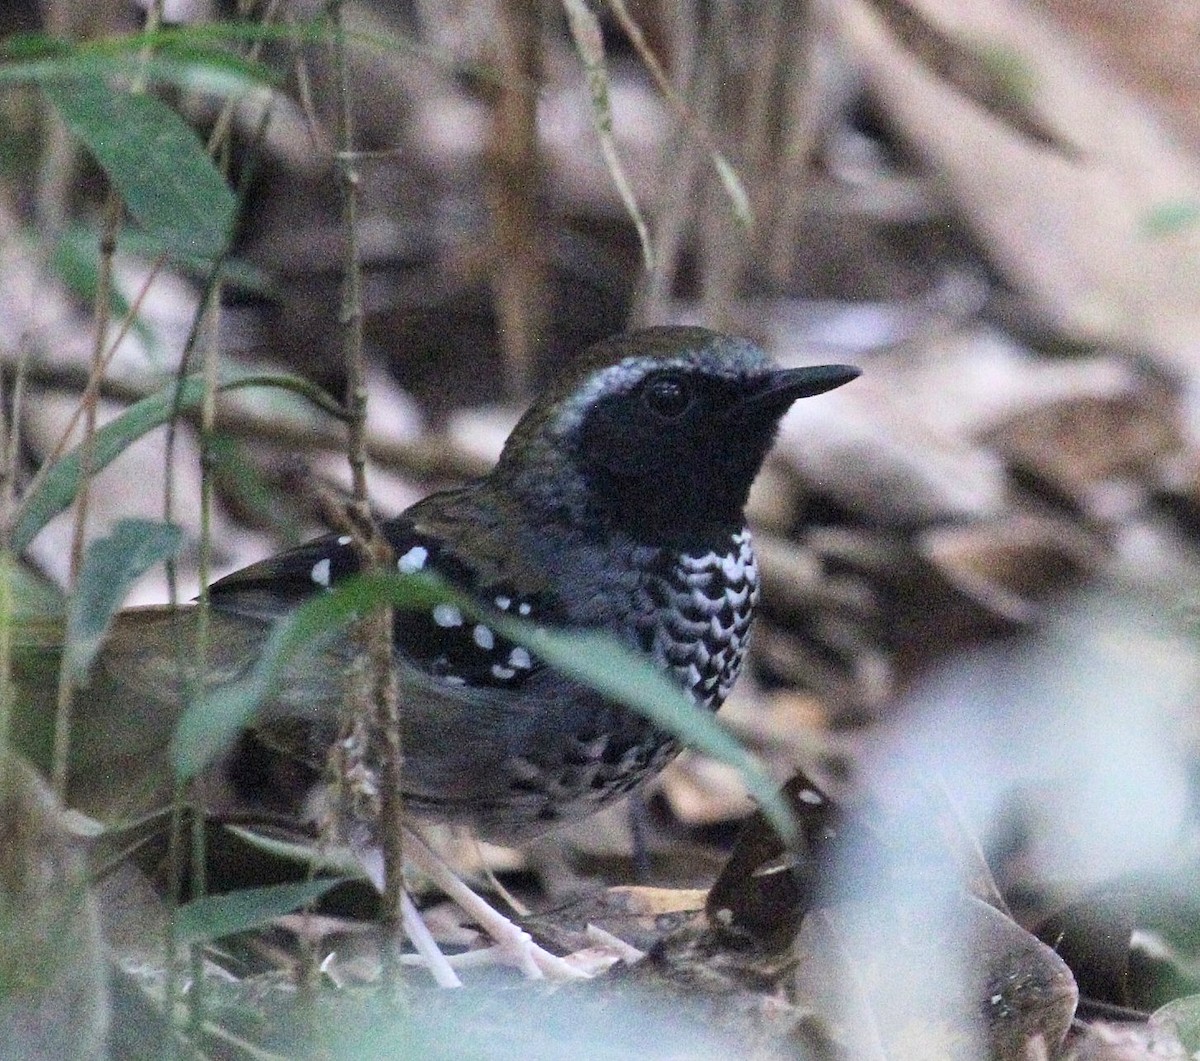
(452, 647)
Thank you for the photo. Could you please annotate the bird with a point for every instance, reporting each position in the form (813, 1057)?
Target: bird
(616, 507)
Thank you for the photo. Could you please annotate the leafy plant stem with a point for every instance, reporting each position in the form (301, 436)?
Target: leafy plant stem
(95, 380)
(66, 684)
(377, 700)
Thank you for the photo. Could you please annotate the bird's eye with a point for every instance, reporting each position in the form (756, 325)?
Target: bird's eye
(668, 396)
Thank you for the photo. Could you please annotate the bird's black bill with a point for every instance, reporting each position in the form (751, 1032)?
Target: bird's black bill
(786, 385)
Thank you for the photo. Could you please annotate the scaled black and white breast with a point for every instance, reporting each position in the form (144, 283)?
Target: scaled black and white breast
(694, 614)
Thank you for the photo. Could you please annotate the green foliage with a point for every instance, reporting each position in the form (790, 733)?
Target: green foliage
(1183, 1014)
(187, 58)
(60, 484)
(1172, 218)
(213, 916)
(155, 162)
(76, 260)
(209, 725)
(110, 566)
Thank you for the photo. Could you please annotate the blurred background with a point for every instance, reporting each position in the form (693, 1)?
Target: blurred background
(980, 561)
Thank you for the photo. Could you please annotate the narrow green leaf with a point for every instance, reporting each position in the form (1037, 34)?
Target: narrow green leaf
(156, 163)
(630, 679)
(214, 916)
(60, 485)
(37, 58)
(58, 489)
(76, 260)
(111, 565)
(235, 272)
(315, 855)
(210, 724)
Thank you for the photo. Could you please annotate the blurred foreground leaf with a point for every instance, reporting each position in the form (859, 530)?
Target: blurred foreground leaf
(53, 970)
(214, 916)
(185, 58)
(155, 162)
(59, 486)
(110, 567)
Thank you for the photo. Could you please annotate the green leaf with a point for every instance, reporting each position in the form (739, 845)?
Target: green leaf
(60, 485)
(621, 674)
(235, 272)
(58, 488)
(1171, 218)
(76, 260)
(1183, 1015)
(210, 724)
(630, 679)
(28, 597)
(110, 567)
(315, 856)
(155, 162)
(190, 64)
(214, 916)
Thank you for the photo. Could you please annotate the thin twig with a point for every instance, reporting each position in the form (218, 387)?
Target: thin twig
(95, 383)
(66, 682)
(219, 137)
(679, 167)
(374, 633)
(518, 267)
(430, 457)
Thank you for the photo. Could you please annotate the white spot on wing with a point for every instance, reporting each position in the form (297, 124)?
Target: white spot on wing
(504, 603)
(413, 560)
(345, 539)
(503, 673)
(519, 657)
(524, 608)
(484, 637)
(447, 615)
(320, 572)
